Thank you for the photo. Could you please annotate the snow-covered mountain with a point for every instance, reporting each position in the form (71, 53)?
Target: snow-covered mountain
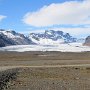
(51, 37)
(13, 38)
(50, 40)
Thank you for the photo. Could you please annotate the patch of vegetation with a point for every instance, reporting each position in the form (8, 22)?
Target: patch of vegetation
(6, 77)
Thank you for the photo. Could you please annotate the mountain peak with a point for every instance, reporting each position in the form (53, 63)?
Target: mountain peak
(53, 36)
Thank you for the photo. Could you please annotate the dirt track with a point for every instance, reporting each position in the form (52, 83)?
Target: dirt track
(2, 68)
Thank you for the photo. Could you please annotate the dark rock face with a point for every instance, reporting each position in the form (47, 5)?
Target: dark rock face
(4, 40)
(87, 41)
(54, 35)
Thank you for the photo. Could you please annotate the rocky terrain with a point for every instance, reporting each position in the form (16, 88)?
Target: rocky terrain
(52, 78)
(44, 71)
(6, 77)
(87, 41)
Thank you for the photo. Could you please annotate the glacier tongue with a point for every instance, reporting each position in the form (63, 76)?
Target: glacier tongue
(71, 47)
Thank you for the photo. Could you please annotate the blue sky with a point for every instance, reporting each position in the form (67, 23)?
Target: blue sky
(37, 15)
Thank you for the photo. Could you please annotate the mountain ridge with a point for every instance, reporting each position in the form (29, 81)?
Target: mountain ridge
(13, 38)
(48, 37)
(55, 37)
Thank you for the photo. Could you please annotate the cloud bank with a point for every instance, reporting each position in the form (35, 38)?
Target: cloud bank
(70, 12)
(2, 17)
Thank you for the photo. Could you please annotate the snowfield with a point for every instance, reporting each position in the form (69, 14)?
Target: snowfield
(71, 47)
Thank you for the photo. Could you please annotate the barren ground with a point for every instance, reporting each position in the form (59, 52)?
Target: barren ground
(44, 71)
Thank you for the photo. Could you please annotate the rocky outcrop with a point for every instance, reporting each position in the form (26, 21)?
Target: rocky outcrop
(87, 41)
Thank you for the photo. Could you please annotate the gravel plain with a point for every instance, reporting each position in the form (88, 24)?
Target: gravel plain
(44, 71)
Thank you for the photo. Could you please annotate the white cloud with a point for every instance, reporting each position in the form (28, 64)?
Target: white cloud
(2, 17)
(70, 12)
(78, 32)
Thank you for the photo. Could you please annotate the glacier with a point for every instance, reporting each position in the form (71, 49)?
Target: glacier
(70, 47)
